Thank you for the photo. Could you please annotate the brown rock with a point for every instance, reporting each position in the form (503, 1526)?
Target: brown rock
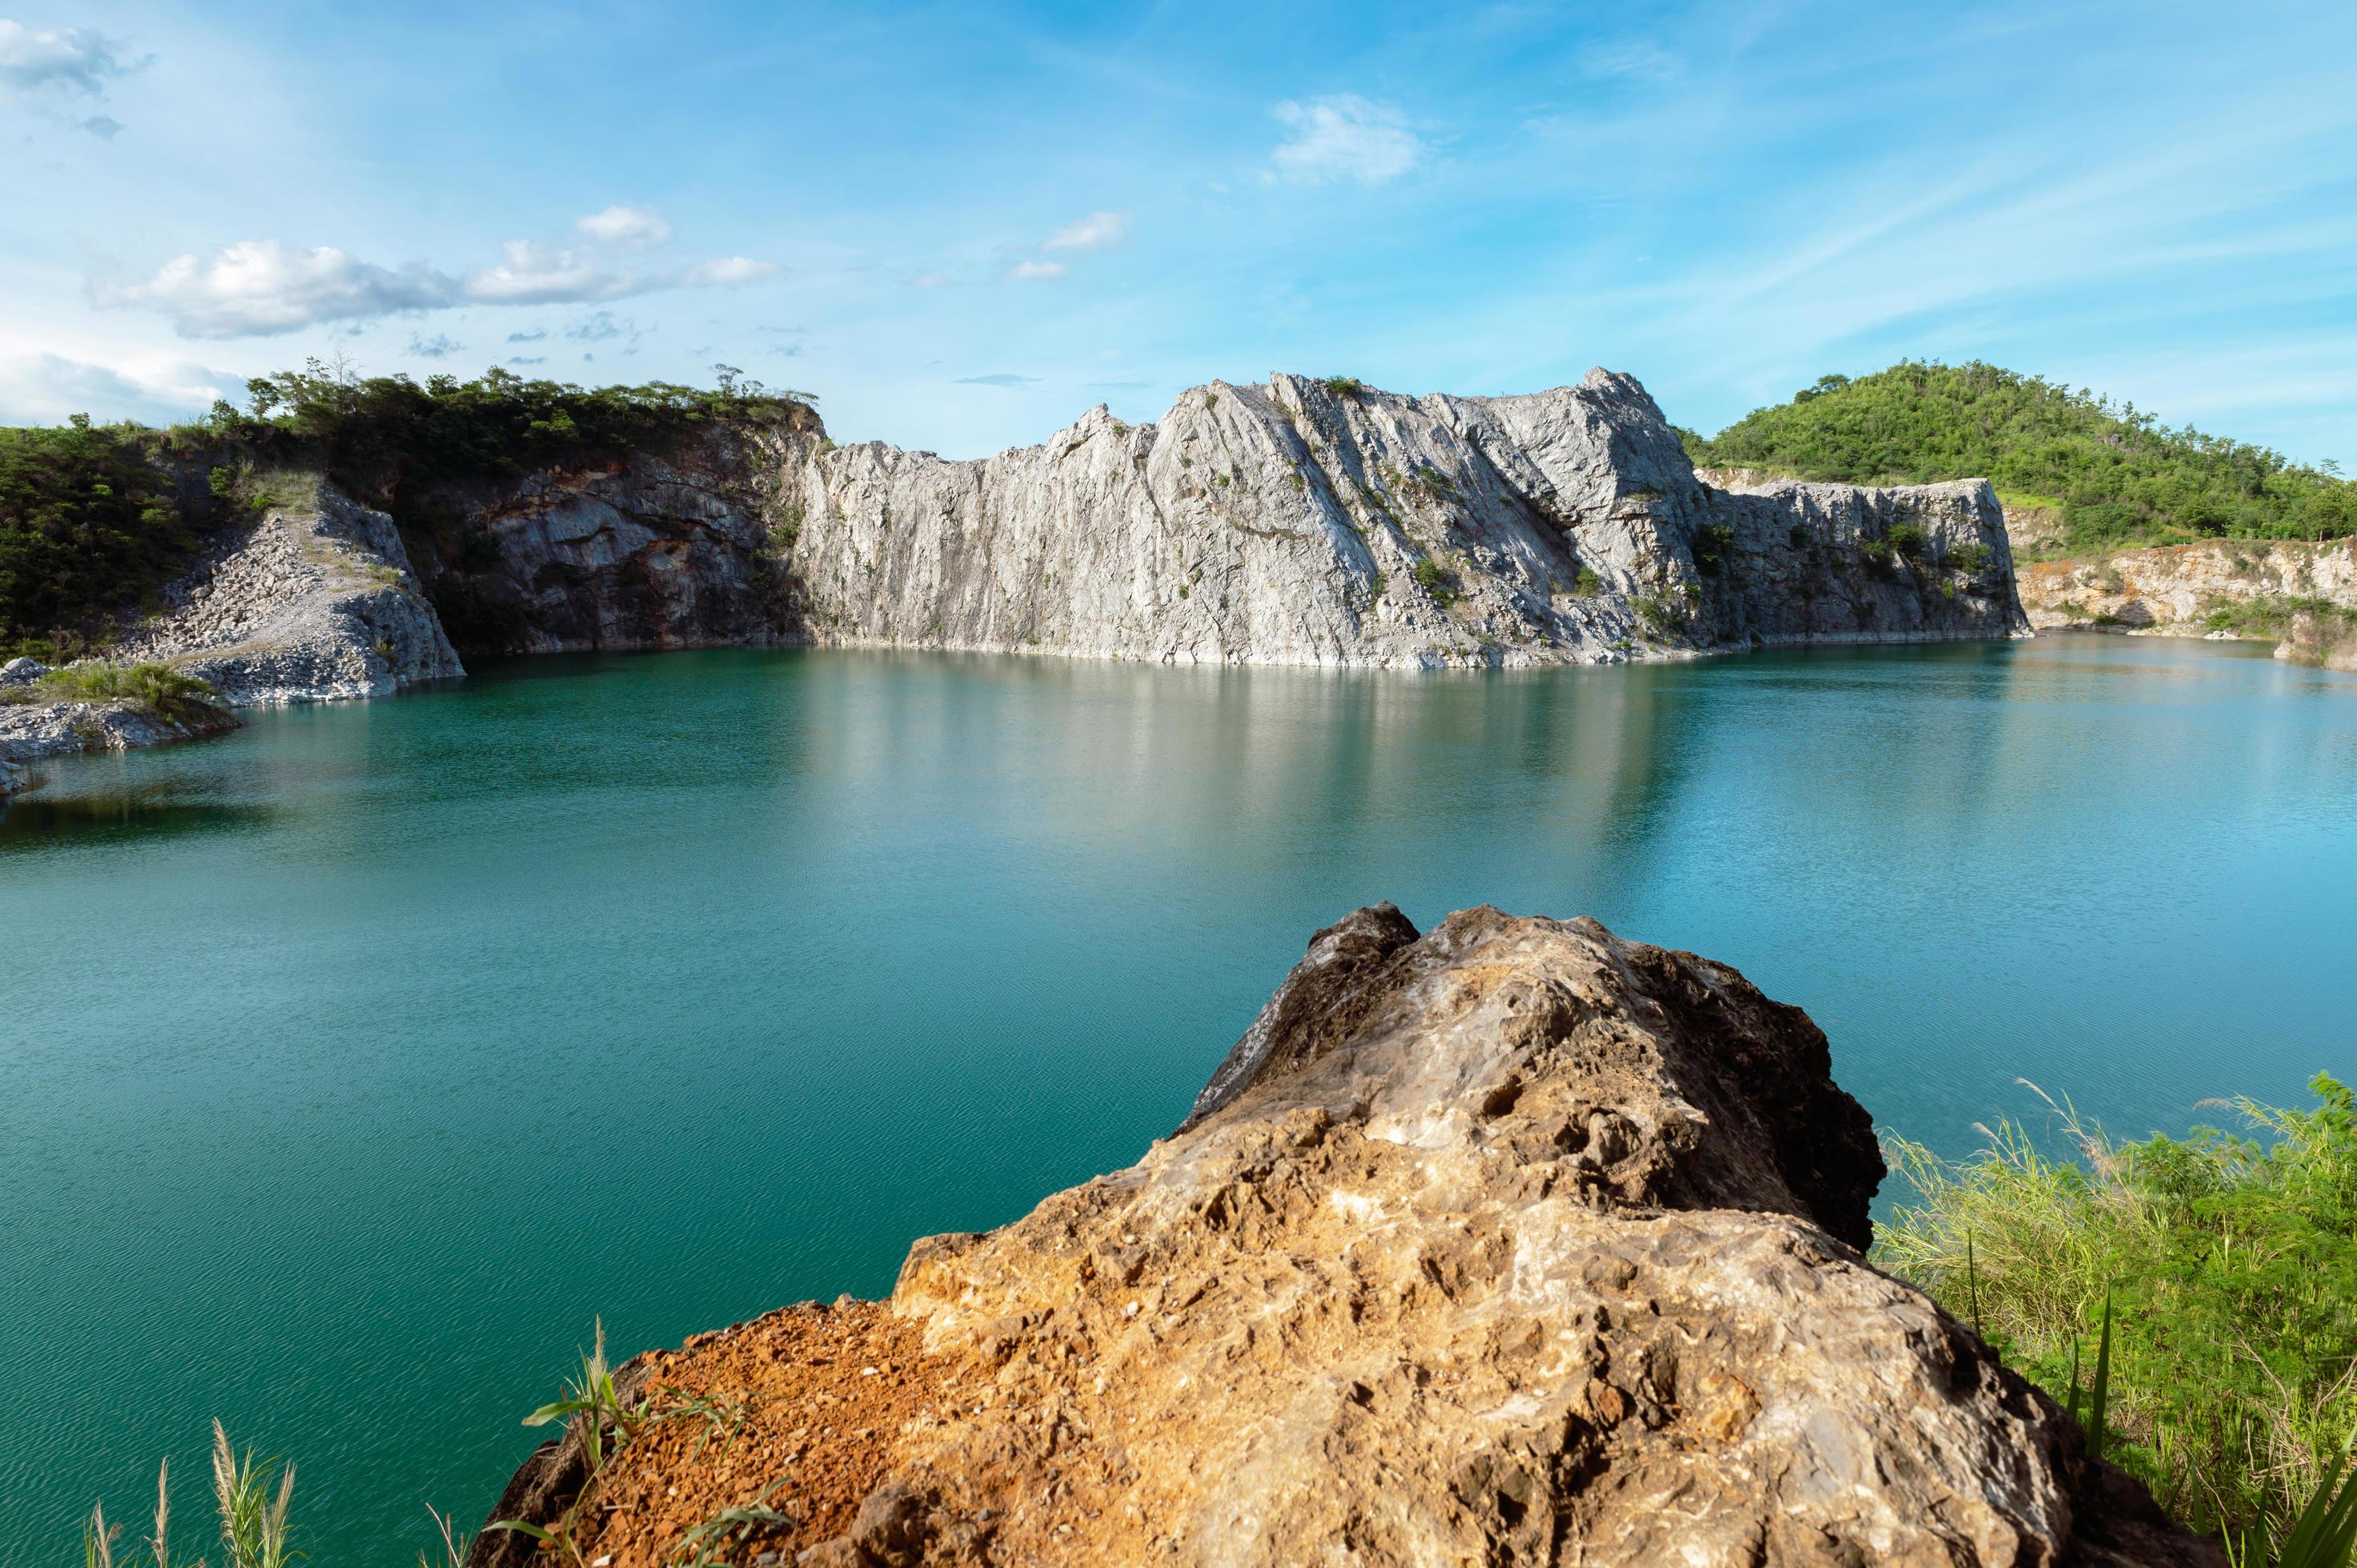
(1510, 1243)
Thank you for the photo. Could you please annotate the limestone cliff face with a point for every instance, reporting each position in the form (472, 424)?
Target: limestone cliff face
(2303, 595)
(1510, 1242)
(1297, 524)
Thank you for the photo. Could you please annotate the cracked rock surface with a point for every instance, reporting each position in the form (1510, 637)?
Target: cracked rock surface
(1297, 523)
(1508, 1242)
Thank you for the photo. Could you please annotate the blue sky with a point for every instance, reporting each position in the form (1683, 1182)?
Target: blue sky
(962, 225)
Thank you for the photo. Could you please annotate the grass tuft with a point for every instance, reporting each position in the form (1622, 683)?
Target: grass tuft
(2215, 1276)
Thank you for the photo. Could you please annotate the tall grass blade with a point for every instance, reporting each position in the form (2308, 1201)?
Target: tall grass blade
(156, 1542)
(98, 1540)
(2326, 1531)
(2102, 1396)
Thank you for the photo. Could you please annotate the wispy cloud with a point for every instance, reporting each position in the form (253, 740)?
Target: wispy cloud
(625, 226)
(534, 336)
(438, 346)
(600, 326)
(728, 272)
(1097, 231)
(263, 288)
(1022, 270)
(69, 59)
(996, 379)
(40, 389)
(1345, 137)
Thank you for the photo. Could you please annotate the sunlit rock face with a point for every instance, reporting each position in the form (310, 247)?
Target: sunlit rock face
(1303, 522)
(1508, 1242)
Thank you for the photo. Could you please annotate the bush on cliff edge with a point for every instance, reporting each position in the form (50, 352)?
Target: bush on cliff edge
(2231, 1264)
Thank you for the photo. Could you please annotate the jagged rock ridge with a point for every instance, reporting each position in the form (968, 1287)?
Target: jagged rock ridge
(1310, 523)
(1510, 1242)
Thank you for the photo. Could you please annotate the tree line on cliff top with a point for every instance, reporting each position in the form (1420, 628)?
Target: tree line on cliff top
(2115, 473)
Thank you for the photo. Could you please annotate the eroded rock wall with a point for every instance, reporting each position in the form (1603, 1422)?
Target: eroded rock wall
(683, 548)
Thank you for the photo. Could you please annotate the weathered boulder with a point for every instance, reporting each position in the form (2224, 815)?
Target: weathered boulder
(1512, 1243)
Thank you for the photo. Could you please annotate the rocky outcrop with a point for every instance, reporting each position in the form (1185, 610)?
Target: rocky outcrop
(1510, 1242)
(310, 604)
(2301, 597)
(1309, 522)
(307, 604)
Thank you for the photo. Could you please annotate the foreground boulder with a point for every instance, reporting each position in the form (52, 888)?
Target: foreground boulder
(1512, 1242)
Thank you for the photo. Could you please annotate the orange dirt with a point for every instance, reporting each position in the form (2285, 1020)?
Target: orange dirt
(811, 1398)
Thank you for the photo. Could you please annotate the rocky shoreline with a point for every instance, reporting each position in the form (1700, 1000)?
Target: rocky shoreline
(2300, 597)
(305, 604)
(1508, 1242)
(1302, 522)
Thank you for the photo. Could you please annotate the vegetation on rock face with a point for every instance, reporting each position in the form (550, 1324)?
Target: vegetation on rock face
(2115, 473)
(2230, 1262)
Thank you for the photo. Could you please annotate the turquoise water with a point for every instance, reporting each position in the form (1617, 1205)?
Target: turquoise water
(349, 1064)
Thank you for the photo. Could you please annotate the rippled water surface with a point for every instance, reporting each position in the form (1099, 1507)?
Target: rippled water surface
(349, 1064)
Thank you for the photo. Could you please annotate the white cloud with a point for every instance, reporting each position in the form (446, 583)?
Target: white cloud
(1036, 270)
(996, 379)
(71, 58)
(43, 389)
(929, 280)
(1345, 137)
(531, 273)
(1097, 231)
(728, 272)
(258, 288)
(624, 225)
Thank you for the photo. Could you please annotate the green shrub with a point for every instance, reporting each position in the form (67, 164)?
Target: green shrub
(1589, 585)
(1343, 386)
(2232, 1260)
(1969, 557)
(1435, 582)
(1908, 540)
(1714, 545)
(156, 689)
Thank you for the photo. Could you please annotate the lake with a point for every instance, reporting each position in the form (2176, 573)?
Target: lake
(351, 1064)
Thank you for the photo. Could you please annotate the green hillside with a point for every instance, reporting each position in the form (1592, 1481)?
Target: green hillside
(2115, 474)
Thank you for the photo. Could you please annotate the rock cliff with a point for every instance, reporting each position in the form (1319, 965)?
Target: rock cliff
(2301, 597)
(1309, 522)
(1510, 1242)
